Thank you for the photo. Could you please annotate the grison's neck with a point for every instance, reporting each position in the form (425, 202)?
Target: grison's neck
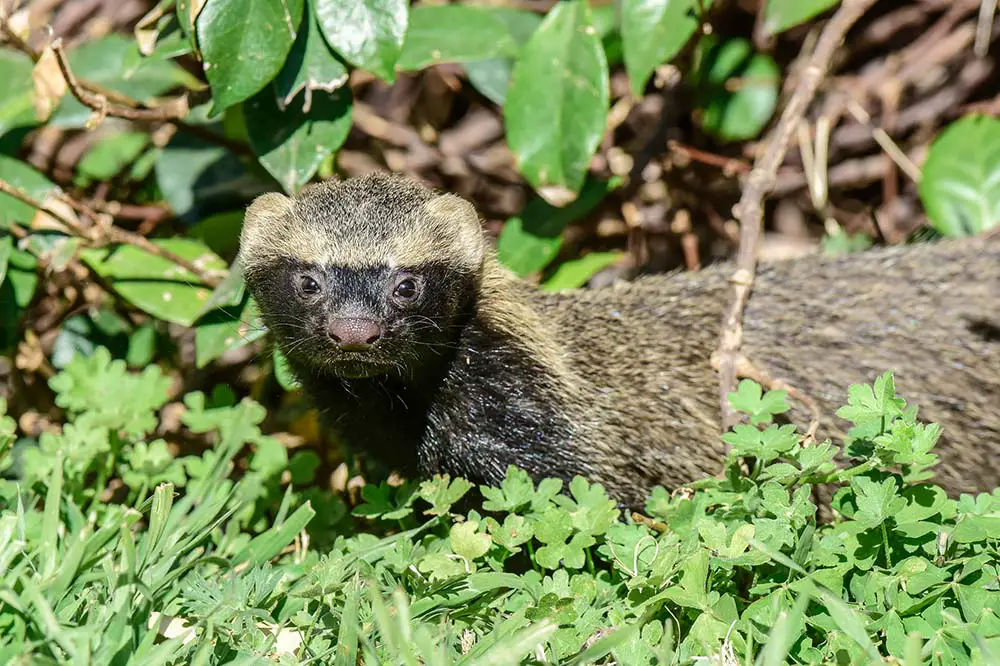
(489, 401)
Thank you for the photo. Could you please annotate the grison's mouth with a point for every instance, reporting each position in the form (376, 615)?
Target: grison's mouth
(358, 365)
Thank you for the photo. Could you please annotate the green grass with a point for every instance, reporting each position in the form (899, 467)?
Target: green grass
(113, 551)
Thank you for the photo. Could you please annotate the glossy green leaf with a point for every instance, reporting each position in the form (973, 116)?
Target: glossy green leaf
(737, 88)
(25, 178)
(6, 249)
(16, 91)
(220, 232)
(112, 63)
(453, 33)
(960, 188)
(367, 33)
(244, 44)
(154, 284)
(531, 240)
(283, 373)
(292, 144)
(780, 15)
(653, 32)
(557, 104)
(577, 272)
(311, 65)
(198, 178)
(226, 329)
(492, 77)
(111, 155)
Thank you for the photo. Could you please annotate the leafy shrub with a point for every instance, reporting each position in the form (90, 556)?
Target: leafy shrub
(114, 549)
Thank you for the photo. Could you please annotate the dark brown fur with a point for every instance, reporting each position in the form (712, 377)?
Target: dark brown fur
(616, 384)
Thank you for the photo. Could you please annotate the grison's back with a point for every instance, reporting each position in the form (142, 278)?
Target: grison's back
(930, 313)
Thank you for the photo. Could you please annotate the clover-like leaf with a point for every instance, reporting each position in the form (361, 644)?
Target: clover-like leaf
(515, 492)
(467, 541)
(750, 399)
(515, 531)
(442, 492)
(87, 382)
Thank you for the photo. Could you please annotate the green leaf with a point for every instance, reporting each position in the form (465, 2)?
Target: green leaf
(16, 91)
(267, 545)
(154, 284)
(780, 15)
(112, 62)
(84, 385)
(226, 329)
(653, 32)
(367, 33)
(28, 180)
(749, 399)
(741, 113)
(873, 404)
(442, 492)
(515, 492)
(530, 241)
(111, 155)
(557, 105)
(453, 33)
(467, 541)
(244, 44)
(577, 272)
(283, 372)
(6, 249)
(960, 187)
(492, 77)
(311, 65)
(877, 502)
(292, 144)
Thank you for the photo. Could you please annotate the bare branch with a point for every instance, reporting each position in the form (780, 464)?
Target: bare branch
(750, 210)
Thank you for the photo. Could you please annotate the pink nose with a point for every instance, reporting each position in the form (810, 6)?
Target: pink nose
(354, 332)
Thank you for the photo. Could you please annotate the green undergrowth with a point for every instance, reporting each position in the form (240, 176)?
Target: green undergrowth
(115, 551)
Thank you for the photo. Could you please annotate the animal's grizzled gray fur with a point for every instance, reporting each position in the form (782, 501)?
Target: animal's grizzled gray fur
(479, 370)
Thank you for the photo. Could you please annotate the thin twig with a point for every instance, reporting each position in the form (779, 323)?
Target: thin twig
(761, 180)
(175, 109)
(112, 234)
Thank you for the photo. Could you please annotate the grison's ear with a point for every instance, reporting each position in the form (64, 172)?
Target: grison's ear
(459, 223)
(263, 225)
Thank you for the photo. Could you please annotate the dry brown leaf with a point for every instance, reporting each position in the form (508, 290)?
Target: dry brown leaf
(49, 83)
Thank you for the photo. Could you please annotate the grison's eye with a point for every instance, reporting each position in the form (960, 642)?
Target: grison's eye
(308, 285)
(405, 290)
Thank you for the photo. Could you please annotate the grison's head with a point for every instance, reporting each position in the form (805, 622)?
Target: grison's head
(363, 277)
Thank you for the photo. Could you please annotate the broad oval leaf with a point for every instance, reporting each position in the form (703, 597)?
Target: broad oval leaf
(577, 272)
(654, 31)
(244, 44)
(226, 329)
(283, 372)
(292, 144)
(531, 240)
(557, 105)
(311, 64)
(492, 77)
(453, 33)
(780, 15)
(153, 284)
(737, 88)
(16, 92)
(25, 178)
(367, 33)
(960, 187)
(112, 154)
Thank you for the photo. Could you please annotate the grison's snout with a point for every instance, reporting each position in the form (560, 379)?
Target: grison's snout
(354, 333)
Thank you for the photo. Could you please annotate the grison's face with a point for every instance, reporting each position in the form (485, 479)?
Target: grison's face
(362, 321)
(365, 277)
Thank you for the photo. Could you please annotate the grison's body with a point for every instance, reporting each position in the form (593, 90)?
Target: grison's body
(615, 384)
